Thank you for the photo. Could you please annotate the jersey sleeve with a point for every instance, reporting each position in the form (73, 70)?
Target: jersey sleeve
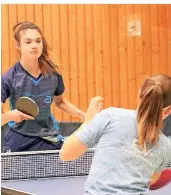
(5, 88)
(167, 126)
(60, 88)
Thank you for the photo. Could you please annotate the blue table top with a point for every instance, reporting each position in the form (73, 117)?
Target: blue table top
(53, 186)
(61, 186)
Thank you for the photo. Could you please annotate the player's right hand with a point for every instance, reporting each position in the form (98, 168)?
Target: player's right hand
(95, 106)
(17, 116)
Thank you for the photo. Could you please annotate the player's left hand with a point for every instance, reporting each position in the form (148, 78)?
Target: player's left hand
(81, 115)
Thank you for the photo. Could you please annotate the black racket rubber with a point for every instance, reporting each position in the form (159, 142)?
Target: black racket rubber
(27, 106)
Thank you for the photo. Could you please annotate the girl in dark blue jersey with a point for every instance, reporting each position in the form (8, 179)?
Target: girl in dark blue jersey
(37, 77)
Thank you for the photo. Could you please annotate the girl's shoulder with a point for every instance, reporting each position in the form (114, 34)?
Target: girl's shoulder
(11, 72)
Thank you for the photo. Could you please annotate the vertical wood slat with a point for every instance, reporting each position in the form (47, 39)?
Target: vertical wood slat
(146, 36)
(138, 49)
(106, 56)
(12, 23)
(89, 44)
(82, 84)
(29, 8)
(38, 9)
(92, 47)
(115, 68)
(131, 64)
(98, 50)
(21, 10)
(72, 11)
(154, 39)
(138, 42)
(122, 55)
(47, 24)
(5, 39)
(5, 44)
(163, 38)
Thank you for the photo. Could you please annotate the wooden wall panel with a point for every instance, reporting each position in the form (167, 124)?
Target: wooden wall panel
(91, 46)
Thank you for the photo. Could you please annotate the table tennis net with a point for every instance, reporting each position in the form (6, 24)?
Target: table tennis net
(45, 164)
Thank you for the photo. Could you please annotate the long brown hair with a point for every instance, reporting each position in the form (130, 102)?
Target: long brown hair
(155, 95)
(46, 64)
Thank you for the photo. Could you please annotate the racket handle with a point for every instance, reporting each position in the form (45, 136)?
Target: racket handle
(164, 179)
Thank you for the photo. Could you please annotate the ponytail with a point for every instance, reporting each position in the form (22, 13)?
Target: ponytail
(149, 116)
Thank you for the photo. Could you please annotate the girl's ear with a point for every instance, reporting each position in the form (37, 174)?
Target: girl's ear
(167, 111)
(17, 45)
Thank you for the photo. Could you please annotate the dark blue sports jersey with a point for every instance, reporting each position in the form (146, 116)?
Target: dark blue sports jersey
(17, 82)
(167, 126)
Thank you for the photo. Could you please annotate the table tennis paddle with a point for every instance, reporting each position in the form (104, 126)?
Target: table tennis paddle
(27, 106)
(164, 179)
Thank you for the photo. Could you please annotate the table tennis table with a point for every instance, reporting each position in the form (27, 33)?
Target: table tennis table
(57, 186)
(43, 173)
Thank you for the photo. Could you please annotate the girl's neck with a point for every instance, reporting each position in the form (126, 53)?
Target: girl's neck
(31, 66)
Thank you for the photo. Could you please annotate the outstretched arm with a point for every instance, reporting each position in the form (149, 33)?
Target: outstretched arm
(68, 107)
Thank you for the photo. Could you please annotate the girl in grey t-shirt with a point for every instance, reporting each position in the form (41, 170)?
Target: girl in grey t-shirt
(130, 146)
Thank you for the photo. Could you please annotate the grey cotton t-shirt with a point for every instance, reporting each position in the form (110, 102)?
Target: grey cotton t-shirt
(119, 166)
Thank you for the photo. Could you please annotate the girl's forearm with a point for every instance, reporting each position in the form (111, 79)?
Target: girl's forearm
(68, 107)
